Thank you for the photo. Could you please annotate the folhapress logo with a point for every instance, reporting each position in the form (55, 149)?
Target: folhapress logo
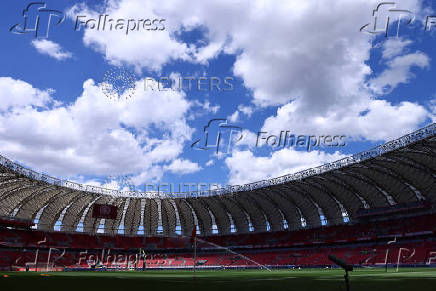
(106, 23)
(385, 15)
(388, 19)
(219, 135)
(37, 20)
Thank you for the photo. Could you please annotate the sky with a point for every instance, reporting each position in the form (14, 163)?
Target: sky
(93, 105)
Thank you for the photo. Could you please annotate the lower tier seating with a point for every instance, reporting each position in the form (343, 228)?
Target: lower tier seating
(368, 254)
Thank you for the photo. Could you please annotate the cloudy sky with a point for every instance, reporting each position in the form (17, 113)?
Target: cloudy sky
(298, 66)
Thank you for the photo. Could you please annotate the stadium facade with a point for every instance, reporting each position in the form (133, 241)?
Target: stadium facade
(399, 172)
(358, 203)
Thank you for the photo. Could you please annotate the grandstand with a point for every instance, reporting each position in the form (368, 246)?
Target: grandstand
(372, 209)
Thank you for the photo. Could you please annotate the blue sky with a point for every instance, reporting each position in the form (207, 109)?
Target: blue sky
(298, 67)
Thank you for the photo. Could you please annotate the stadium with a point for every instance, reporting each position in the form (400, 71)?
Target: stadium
(218, 145)
(374, 210)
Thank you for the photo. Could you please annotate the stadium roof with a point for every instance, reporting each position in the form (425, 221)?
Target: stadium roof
(400, 171)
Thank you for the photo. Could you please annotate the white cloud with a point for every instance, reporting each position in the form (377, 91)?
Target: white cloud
(208, 52)
(433, 109)
(52, 49)
(249, 139)
(398, 71)
(306, 51)
(378, 120)
(202, 108)
(210, 163)
(283, 49)
(305, 56)
(246, 168)
(210, 108)
(234, 117)
(309, 54)
(140, 48)
(112, 184)
(181, 166)
(89, 136)
(17, 93)
(247, 110)
(393, 47)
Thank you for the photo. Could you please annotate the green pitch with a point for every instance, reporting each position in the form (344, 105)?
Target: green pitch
(277, 280)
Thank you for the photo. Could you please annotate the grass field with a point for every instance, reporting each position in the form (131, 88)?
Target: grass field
(277, 280)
